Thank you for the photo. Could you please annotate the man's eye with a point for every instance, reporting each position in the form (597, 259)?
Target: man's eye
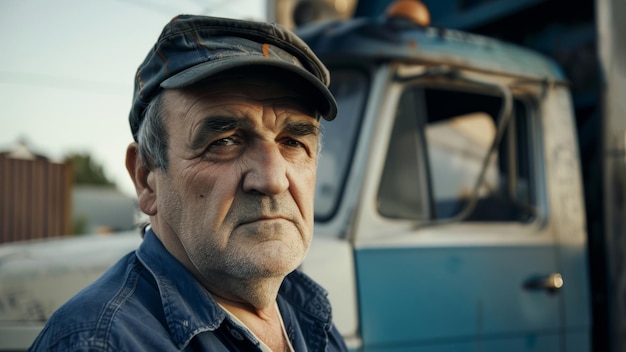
(224, 145)
(224, 142)
(293, 143)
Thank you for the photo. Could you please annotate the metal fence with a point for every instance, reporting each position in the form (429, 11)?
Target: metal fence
(35, 198)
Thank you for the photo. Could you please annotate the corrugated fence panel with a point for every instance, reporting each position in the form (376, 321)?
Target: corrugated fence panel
(35, 199)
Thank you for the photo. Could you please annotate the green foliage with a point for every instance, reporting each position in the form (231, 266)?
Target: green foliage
(80, 225)
(88, 172)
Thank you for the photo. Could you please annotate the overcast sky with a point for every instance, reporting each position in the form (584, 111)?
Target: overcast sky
(67, 68)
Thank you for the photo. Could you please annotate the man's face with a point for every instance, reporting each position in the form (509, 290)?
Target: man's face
(238, 191)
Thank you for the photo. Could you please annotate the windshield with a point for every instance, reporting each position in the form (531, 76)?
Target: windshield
(349, 86)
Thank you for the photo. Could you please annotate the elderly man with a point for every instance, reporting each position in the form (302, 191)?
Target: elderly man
(225, 118)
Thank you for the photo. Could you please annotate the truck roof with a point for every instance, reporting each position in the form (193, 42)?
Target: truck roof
(383, 39)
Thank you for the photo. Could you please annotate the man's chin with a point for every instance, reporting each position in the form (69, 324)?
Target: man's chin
(275, 260)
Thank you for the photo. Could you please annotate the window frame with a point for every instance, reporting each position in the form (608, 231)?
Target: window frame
(533, 151)
(359, 116)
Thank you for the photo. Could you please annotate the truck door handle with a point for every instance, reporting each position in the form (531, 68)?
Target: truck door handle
(551, 283)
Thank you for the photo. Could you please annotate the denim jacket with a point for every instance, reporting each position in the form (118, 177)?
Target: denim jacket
(149, 302)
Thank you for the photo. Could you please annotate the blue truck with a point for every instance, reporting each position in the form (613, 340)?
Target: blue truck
(450, 212)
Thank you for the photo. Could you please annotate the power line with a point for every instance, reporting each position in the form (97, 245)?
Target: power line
(154, 7)
(67, 83)
(206, 7)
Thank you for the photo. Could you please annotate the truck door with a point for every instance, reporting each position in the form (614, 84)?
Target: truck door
(446, 263)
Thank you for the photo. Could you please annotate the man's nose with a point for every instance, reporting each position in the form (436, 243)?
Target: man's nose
(267, 170)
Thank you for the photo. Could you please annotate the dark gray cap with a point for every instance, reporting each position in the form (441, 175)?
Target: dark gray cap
(193, 48)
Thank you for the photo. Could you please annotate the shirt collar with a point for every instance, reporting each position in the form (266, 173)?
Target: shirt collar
(301, 291)
(189, 308)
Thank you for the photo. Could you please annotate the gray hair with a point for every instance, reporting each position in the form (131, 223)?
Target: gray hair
(152, 135)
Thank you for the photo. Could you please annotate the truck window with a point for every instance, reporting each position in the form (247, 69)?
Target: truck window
(349, 86)
(439, 142)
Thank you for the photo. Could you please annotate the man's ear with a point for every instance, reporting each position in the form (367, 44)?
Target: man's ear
(144, 181)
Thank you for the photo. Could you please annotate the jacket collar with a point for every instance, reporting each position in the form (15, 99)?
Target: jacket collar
(189, 309)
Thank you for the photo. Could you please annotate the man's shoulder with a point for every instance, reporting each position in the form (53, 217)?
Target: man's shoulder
(121, 299)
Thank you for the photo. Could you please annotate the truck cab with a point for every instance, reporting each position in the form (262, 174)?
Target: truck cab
(449, 187)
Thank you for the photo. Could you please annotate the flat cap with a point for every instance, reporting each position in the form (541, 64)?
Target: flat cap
(193, 48)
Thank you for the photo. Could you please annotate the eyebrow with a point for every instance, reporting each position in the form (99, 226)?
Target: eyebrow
(211, 126)
(302, 129)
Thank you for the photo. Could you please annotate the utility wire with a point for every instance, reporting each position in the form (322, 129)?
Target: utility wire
(206, 7)
(67, 83)
(214, 6)
(154, 7)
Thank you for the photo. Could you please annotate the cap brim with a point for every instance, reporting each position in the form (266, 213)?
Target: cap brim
(200, 72)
